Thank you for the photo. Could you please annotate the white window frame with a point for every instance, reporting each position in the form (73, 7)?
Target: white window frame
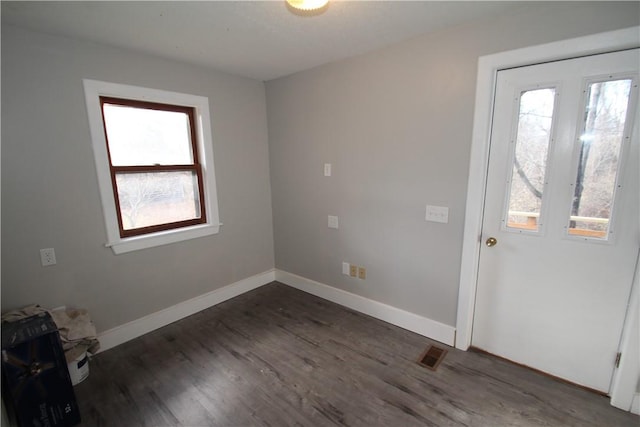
(93, 90)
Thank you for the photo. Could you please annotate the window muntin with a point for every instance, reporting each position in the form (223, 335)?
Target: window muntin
(153, 159)
(598, 157)
(529, 162)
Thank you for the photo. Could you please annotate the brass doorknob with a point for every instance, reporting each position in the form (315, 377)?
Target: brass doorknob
(491, 241)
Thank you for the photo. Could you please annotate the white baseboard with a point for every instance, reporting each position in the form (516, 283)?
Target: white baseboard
(404, 319)
(635, 405)
(128, 331)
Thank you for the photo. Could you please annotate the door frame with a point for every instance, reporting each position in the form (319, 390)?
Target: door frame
(625, 379)
(488, 67)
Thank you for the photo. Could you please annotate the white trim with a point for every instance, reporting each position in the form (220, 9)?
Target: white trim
(404, 319)
(136, 328)
(625, 378)
(635, 406)
(93, 89)
(488, 66)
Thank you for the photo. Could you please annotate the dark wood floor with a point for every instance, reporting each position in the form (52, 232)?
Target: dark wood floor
(280, 357)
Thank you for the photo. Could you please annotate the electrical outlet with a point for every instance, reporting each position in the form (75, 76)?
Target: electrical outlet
(332, 221)
(353, 270)
(437, 214)
(47, 257)
(362, 273)
(345, 268)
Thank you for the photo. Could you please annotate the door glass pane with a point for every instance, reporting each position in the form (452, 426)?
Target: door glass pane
(148, 199)
(598, 159)
(142, 136)
(533, 135)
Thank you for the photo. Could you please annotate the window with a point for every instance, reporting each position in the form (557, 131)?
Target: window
(154, 161)
(598, 164)
(530, 155)
(155, 173)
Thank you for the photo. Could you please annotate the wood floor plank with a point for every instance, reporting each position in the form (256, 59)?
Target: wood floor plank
(277, 356)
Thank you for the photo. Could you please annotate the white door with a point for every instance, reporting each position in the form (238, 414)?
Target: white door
(561, 216)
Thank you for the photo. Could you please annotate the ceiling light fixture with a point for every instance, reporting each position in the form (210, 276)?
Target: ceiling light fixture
(307, 5)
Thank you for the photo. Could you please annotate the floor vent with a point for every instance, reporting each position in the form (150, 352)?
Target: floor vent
(432, 357)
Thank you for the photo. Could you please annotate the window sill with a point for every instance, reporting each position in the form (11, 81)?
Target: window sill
(136, 243)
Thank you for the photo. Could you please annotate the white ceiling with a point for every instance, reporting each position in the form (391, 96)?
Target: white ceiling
(257, 39)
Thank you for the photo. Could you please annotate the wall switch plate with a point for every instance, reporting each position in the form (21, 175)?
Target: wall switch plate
(345, 268)
(437, 214)
(333, 221)
(353, 270)
(47, 257)
(327, 169)
(362, 273)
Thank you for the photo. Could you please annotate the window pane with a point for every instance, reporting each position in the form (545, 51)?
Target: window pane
(141, 136)
(600, 144)
(148, 199)
(530, 158)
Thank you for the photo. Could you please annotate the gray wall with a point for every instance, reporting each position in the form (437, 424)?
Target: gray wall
(50, 191)
(396, 124)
